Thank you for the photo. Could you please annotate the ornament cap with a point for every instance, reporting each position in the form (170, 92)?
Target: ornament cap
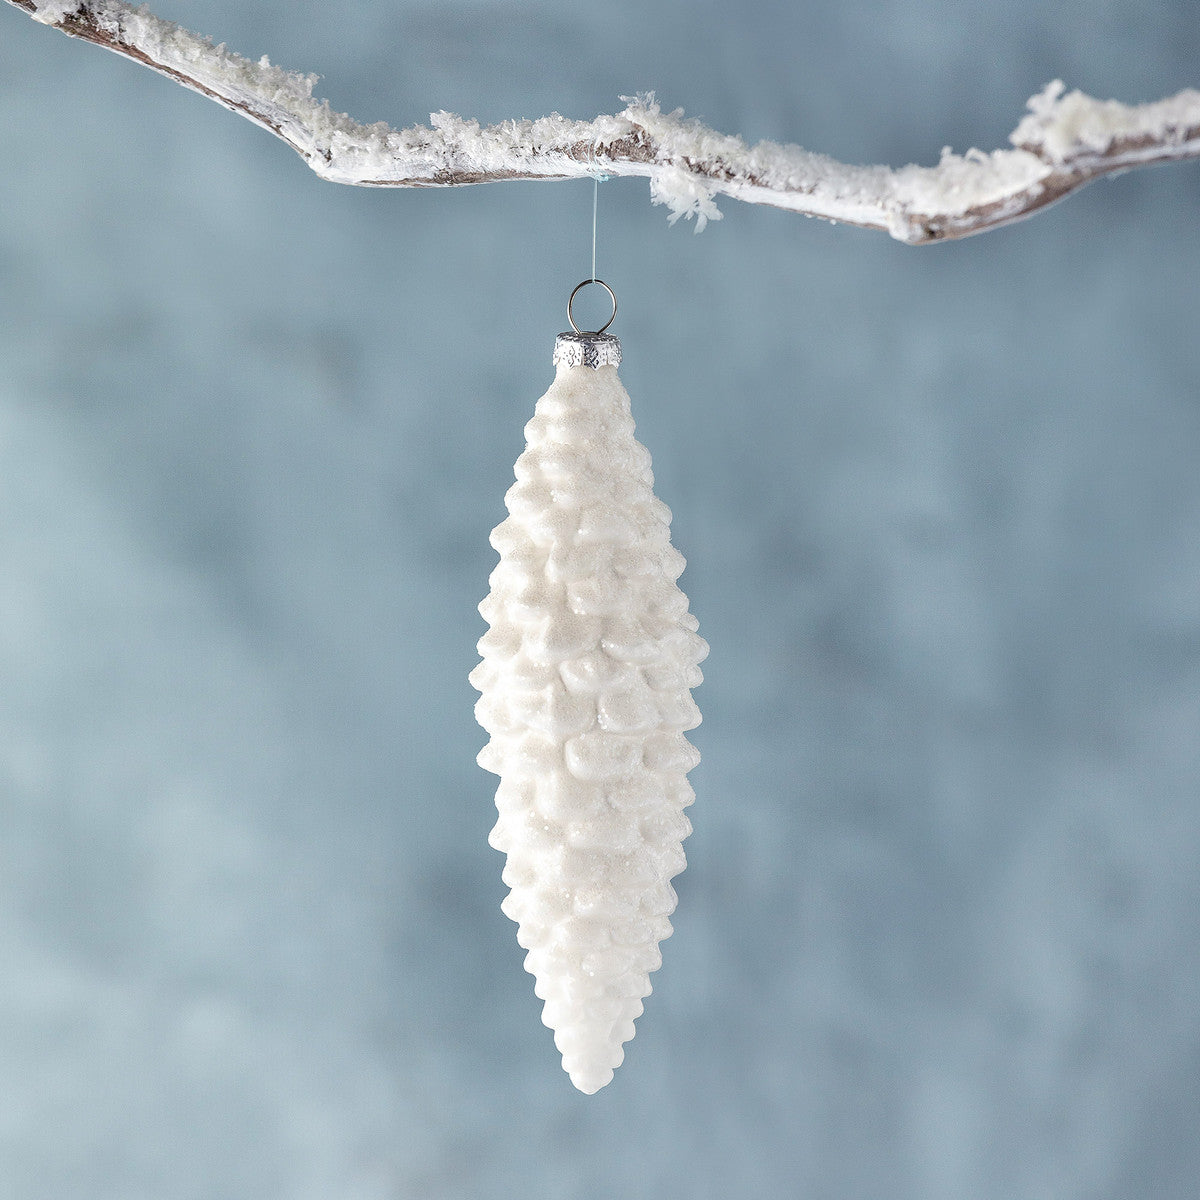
(587, 350)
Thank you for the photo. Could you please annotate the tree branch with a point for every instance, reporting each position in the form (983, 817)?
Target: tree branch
(1064, 142)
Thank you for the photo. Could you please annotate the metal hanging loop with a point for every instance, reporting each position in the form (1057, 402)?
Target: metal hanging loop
(571, 302)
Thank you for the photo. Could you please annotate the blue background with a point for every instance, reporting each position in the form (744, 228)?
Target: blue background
(939, 934)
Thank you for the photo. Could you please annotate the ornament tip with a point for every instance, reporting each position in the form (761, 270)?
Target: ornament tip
(589, 1082)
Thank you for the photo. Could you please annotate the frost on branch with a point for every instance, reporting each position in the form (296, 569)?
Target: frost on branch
(1066, 141)
(684, 195)
(1061, 127)
(52, 12)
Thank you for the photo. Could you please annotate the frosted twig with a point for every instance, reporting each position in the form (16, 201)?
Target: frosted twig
(1065, 141)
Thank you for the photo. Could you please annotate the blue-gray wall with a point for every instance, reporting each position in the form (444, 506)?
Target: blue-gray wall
(938, 939)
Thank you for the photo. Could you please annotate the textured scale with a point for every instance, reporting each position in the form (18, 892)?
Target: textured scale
(585, 690)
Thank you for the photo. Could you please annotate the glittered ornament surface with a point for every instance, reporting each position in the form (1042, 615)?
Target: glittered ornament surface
(585, 690)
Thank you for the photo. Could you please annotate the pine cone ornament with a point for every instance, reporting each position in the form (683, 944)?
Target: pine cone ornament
(585, 681)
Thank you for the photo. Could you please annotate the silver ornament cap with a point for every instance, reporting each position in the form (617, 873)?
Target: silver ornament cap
(587, 350)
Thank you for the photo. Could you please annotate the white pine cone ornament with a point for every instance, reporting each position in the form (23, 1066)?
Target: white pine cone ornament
(585, 685)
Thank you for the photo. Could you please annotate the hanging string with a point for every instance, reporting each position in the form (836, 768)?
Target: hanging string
(595, 205)
(598, 177)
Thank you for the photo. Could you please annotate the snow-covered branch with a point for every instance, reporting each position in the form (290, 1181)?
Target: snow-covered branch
(1065, 141)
